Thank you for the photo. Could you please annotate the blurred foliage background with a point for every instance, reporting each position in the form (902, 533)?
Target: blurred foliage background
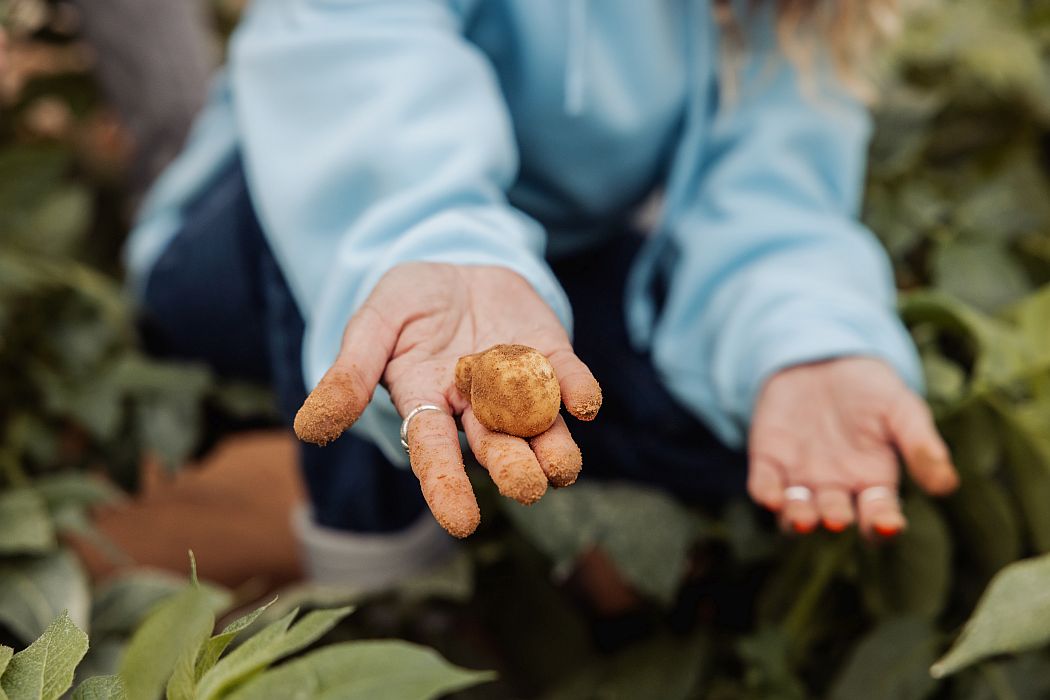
(958, 192)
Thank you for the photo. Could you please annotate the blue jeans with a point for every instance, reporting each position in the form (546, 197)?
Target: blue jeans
(218, 296)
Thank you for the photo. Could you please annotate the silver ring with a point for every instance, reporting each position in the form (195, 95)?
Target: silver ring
(798, 493)
(412, 414)
(876, 493)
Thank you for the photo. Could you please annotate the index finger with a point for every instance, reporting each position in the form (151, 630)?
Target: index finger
(344, 391)
(433, 450)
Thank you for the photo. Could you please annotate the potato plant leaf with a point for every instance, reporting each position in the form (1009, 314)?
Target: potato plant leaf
(620, 519)
(364, 670)
(1012, 616)
(123, 602)
(1028, 465)
(273, 642)
(101, 688)
(983, 274)
(912, 574)
(215, 646)
(44, 669)
(1025, 677)
(987, 526)
(36, 590)
(669, 667)
(25, 526)
(182, 685)
(174, 624)
(890, 662)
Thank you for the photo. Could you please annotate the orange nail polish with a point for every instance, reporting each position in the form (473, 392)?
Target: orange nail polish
(887, 530)
(835, 526)
(804, 528)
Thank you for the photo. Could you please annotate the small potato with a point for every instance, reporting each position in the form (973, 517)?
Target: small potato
(512, 389)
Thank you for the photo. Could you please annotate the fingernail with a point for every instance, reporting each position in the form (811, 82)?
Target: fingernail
(835, 525)
(887, 530)
(804, 528)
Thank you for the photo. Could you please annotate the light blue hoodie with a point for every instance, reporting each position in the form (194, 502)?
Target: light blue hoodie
(493, 132)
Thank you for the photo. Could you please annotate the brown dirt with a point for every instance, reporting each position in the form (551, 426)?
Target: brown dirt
(584, 402)
(513, 467)
(558, 455)
(438, 464)
(330, 409)
(233, 510)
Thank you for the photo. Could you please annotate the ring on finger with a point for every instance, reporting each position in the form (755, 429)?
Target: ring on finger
(412, 414)
(798, 493)
(877, 493)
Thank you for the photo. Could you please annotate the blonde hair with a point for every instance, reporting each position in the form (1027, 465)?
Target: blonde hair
(847, 32)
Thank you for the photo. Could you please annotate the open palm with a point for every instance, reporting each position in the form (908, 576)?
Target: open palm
(410, 332)
(837, 428)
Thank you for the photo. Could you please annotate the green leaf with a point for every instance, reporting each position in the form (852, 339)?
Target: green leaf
(668, 668)
(122, 603)
(274, 642)
(182, 685)
(5, 657)
(770, 674)
(986, 523)
(170, 427)
(1025, 677)
(168, 409)
(44, 669)
(1000, 352)
(366, 670)
(27, 174)
(910, 575)
(243, 400)
(76, 489)
(174, 625)
(891, 661)
(103, 658)
(25, 526)
(1007, 202)
(974, 435)
(1028, 465)
(451, 581)
(36, 590)
(101, 688)
(1012, 616)
(620, 519)
(744, 534)
(214, 647)
(1030, 316)
(983, 274)
(58, 223)
(945, 380)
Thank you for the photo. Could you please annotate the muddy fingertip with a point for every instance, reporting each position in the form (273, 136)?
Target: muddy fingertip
(329, 410)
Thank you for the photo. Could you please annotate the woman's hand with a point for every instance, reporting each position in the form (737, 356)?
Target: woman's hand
(837, 428)
(418, 321)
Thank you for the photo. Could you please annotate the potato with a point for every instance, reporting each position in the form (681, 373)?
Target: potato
(512, 389)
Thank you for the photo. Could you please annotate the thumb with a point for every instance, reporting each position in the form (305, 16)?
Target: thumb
(341, 396)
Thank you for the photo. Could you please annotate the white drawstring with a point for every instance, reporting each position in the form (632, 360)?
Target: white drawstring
(576, 57)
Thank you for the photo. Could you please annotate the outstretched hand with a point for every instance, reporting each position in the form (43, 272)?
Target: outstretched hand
(410, 332)
(837, 428)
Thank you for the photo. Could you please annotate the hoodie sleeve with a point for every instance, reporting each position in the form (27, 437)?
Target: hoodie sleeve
(373, 134)
(766, 264)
